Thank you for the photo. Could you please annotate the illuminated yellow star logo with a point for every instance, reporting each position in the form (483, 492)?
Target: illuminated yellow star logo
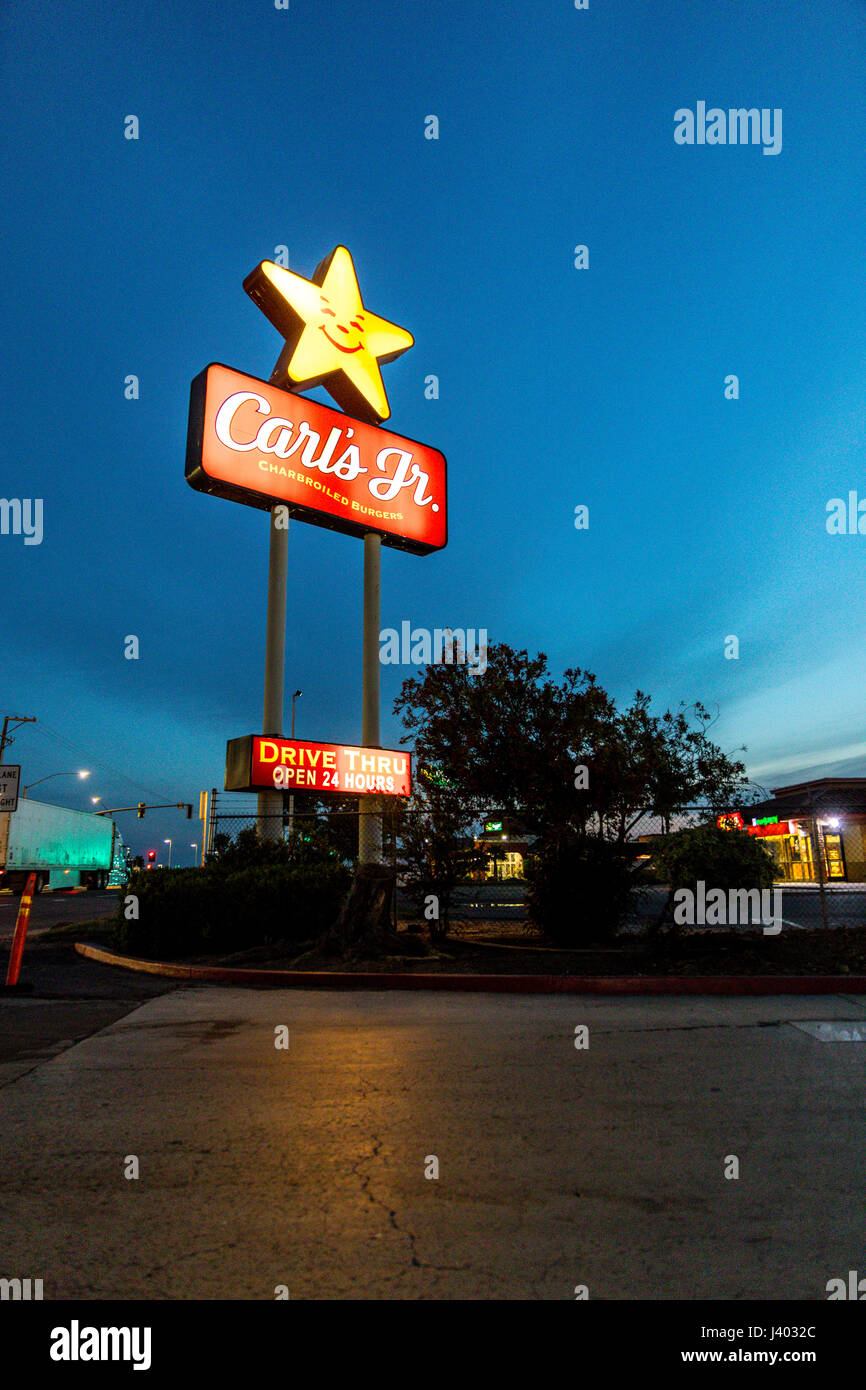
(331, 339)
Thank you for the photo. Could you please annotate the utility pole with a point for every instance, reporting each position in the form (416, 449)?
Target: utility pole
(17, 720)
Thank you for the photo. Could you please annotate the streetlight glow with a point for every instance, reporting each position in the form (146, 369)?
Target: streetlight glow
(39, 780)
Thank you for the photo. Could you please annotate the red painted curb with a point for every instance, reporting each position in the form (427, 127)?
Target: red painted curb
(491, 984)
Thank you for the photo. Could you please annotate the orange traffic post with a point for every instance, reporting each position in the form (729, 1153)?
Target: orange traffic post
(20, 933)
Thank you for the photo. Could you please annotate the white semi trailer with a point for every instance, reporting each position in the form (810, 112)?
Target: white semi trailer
(65, 849)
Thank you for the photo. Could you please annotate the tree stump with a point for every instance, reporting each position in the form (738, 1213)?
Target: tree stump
(364, 926)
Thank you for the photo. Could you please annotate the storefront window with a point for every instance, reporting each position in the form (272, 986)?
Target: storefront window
(513, 866)
(508, 865)
(834, 859)
(795, 861)
(793, 856)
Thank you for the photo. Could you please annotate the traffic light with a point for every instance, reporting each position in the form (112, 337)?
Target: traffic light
(141, 810)
(151, 855)
(189, 810)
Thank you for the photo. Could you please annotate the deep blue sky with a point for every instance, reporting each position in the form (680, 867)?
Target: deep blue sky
(306, 128)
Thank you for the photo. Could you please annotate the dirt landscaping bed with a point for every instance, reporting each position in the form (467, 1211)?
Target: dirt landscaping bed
(505, 948)
(494, 948)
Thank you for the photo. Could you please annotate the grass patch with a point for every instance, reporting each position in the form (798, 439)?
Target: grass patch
(103, 930)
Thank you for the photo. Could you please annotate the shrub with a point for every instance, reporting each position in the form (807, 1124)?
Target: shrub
(222, 907)
(721, 858)
(580, 893)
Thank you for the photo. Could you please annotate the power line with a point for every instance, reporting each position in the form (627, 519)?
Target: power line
(60, 738)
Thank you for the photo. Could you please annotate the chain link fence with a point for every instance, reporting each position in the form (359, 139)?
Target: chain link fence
(341, 827)
(802, 904)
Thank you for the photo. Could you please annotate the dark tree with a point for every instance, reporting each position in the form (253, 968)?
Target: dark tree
(436, 846)
(560, 757)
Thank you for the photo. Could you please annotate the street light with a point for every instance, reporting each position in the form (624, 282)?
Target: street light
(168, 842)
(195, 855)
(297, 694)
(39, 780)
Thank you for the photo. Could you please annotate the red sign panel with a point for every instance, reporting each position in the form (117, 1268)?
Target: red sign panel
(733, 820)
(254, 443)
(258, 763)
(779, 827)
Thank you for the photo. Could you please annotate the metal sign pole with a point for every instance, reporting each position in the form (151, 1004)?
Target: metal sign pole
(819, 863)
(270, 803)
(212, 819)
(369, 823)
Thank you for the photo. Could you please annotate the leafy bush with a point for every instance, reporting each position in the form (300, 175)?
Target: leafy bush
(311, 845)
(721, 858)
(580, 893)
(223, 907)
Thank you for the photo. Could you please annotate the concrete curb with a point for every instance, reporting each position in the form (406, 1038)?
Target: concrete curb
(489, 984)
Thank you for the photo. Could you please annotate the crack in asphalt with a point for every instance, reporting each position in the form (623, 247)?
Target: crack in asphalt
(607, 1031)
(414, 1262)
(191, 1255)
(377, 1201)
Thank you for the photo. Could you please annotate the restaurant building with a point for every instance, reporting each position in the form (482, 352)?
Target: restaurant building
(796, 824)
(506, 845)
(812, 829)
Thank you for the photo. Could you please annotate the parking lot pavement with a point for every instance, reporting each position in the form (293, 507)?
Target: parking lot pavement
(69, 998)
(314, 1166)
(53, 909)
(801, 904)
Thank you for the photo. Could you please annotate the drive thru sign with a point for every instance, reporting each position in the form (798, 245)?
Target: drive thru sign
(288, 764)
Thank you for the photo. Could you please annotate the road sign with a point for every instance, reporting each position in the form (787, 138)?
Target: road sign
(10, 777)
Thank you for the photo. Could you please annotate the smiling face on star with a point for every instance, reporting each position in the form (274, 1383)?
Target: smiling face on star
(331, 338)
(345, 336)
